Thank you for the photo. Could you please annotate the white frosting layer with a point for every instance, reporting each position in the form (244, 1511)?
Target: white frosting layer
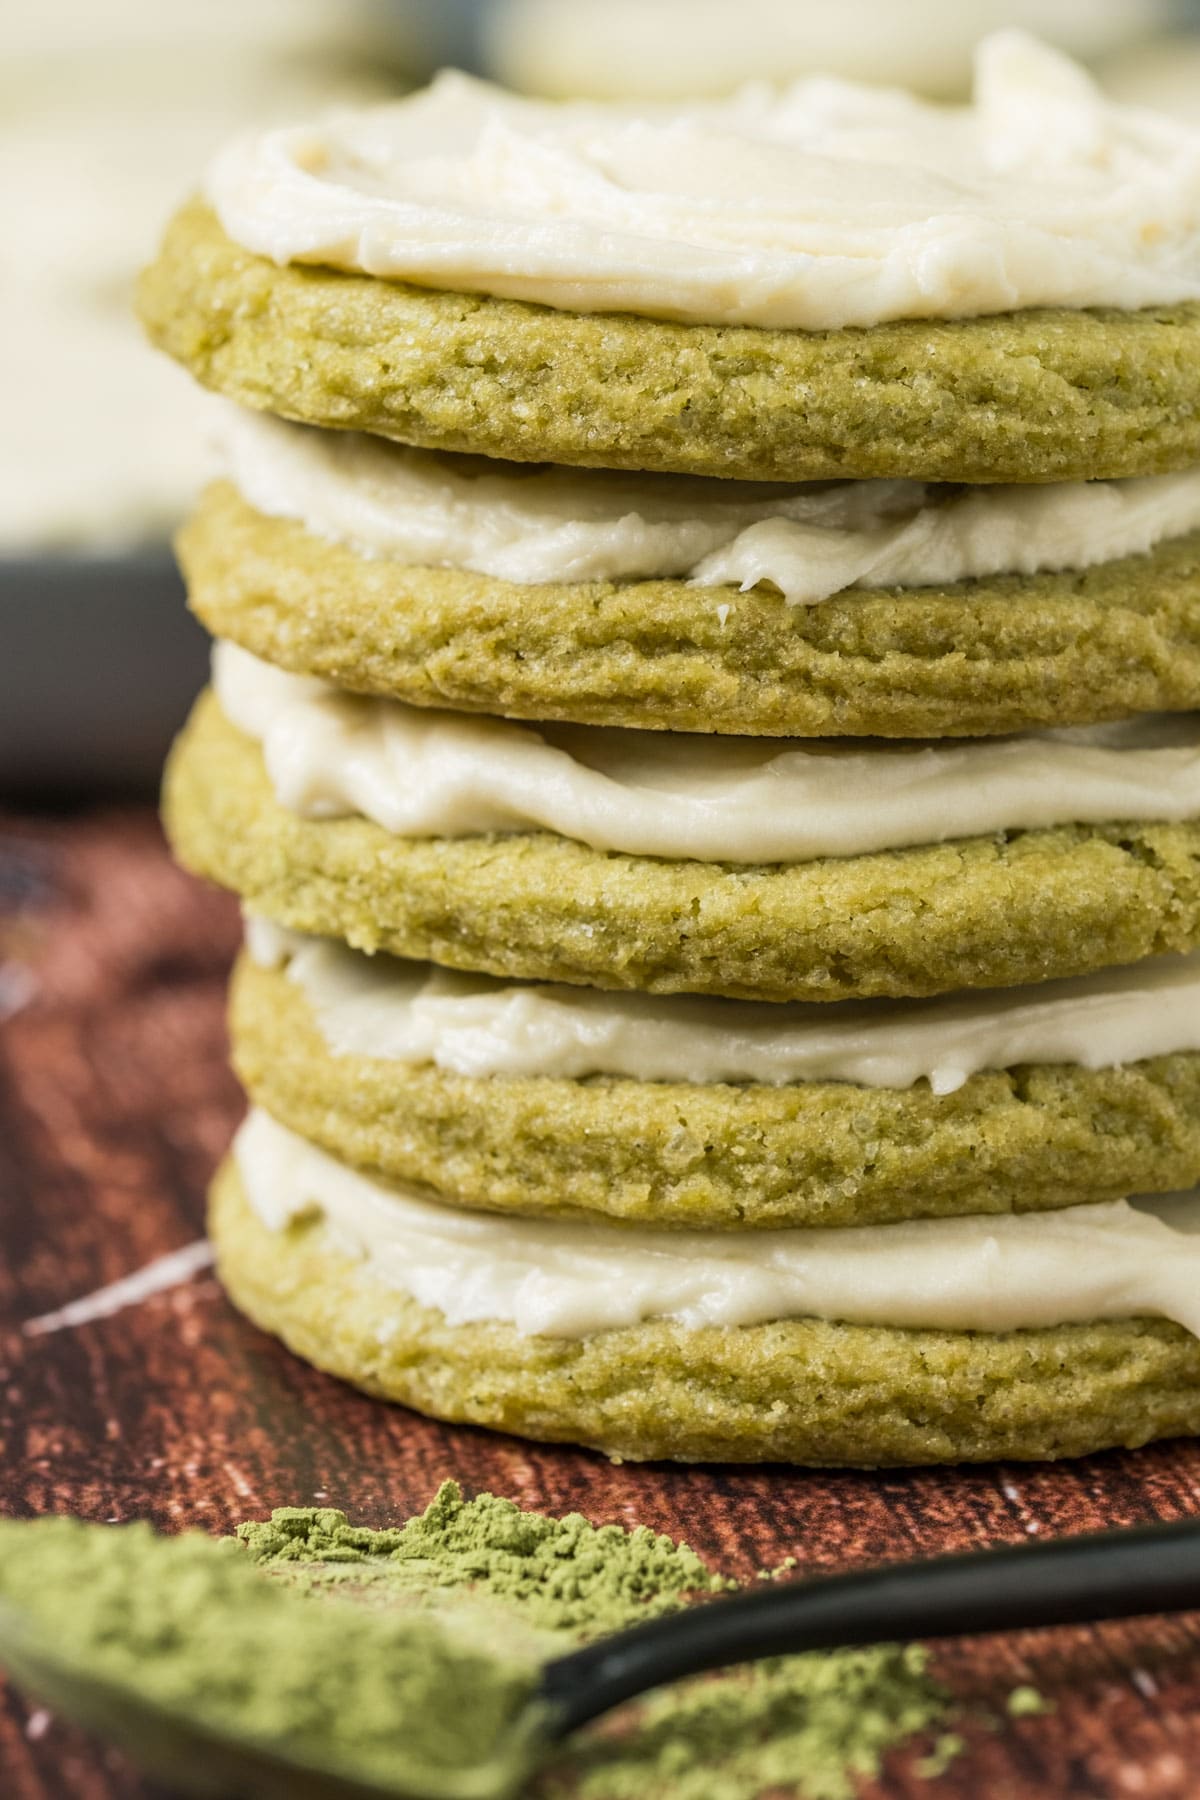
(825, 205)
(474, 1025)
(526, 523)
(570, 1279)
(421, 773)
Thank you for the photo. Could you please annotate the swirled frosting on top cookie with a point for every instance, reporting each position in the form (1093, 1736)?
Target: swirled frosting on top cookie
(824, 205)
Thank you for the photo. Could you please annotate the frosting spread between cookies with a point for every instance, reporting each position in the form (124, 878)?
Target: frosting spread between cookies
(423, 773)
(569, 1279)
(531, 524)
(474, 1025)
(823, 205)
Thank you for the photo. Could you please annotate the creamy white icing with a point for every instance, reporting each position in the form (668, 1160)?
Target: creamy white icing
(532, 524)
(570, 1279)
(824, 205)
(474, 1025)
(423, 773)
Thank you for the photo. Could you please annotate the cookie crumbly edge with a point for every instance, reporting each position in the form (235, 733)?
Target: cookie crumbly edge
(1011, 653)
(1040, 395)
(721, 1155)
(998, 911)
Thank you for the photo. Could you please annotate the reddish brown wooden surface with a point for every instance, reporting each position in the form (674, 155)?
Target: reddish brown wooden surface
(114, 1105)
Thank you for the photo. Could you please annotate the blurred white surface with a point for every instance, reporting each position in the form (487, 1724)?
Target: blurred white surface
(108, 112)
(266, 28)
(1164, 74)
(648, 49)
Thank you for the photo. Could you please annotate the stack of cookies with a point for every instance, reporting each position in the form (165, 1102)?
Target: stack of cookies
(708, 605)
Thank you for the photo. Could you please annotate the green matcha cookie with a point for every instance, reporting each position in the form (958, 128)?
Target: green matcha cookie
(1009, 654)
(724, 1155)
(801, 1391)
(1041, 395)
(998, 911)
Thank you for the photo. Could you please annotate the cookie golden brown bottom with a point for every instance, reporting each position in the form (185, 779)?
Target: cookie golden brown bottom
(801, 1391)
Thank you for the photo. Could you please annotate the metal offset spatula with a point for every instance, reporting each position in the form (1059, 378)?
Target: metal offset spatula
(1113, 1575)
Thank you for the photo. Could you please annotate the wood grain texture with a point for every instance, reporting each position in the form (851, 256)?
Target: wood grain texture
(115, 1103)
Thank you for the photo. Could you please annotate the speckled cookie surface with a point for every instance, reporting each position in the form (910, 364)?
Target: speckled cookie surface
(981, 912)
(1040, 395)
(1007, 654)
(801, 1391)
(736, 1156)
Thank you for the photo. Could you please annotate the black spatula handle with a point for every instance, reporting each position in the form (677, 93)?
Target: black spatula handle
(1073, 1581)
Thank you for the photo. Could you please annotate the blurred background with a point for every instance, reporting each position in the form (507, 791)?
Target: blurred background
(109, 110)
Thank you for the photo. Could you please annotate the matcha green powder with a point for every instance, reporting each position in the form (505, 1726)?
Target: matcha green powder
(806, 1723)
(189, 1628)
(394, 1653)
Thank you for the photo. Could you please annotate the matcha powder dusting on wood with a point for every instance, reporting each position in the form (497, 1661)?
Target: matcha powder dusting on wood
(558, 1574)
(804, 1725)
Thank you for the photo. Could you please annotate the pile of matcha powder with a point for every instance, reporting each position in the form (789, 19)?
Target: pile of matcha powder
(407, 1654)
